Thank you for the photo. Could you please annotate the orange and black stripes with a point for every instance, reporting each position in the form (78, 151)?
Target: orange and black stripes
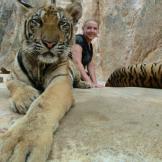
(138, 75)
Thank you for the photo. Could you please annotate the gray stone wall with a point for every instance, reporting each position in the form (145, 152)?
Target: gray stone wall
(8, 30)
(130, 31)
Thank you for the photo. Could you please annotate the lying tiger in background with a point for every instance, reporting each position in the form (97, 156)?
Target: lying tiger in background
(41, 82)
(138, 75)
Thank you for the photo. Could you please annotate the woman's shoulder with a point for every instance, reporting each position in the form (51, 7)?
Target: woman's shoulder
(79, 39)
(79, 36)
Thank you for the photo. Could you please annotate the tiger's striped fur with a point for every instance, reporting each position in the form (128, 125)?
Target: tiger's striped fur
(41, 82)
(137, 75)
(48, 38)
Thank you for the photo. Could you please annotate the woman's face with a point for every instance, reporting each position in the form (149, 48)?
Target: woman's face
(90, 30)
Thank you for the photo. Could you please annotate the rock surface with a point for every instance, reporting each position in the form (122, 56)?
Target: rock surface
(106, 125)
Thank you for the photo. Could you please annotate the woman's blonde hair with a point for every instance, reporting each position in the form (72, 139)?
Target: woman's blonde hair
(86, 21)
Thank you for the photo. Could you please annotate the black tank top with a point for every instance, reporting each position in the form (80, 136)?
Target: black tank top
(87, 50)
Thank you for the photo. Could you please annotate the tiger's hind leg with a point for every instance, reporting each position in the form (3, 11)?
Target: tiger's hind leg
(75, 76)
(22, 95)
(81, 84)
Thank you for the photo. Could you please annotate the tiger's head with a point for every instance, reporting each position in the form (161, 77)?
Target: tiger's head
(49, 31)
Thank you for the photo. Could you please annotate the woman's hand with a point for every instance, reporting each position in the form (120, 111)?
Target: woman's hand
(97, 85)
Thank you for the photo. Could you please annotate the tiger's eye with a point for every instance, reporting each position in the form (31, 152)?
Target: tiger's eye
(64, 25)
(36, 23)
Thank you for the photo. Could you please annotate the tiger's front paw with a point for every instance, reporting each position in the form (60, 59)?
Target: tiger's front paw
(83, 85)
(22, 99)
(26, 143)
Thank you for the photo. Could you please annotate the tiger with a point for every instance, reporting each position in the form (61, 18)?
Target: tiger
(137, 75)
(42, 81)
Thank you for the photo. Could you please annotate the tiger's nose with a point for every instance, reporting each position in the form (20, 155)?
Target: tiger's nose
(48, 44)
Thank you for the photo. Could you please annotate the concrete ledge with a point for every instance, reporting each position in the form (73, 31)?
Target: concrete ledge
(106, 125)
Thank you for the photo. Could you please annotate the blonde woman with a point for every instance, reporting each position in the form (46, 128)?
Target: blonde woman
(82, 52)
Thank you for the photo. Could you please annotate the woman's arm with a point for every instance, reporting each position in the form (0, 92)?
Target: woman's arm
(91, 71)
(92, 74)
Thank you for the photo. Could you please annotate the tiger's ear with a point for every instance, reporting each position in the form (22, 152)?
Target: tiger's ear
(24, 8)
(25, 4)
(35, 4)
(75, 11)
